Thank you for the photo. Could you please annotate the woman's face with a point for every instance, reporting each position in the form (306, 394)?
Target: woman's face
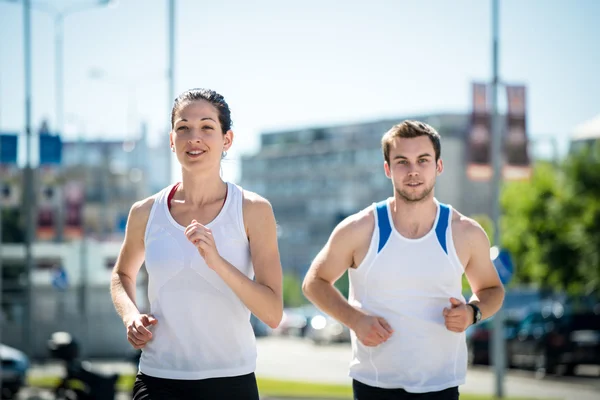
(197, 137)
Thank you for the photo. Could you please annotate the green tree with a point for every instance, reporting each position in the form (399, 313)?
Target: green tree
(551, 224)
(342, 284)
(292, 291)
(583, 172)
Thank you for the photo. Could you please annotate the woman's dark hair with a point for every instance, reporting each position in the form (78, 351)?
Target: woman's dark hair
(212, 97)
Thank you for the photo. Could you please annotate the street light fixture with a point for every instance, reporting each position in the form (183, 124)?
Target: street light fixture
(99, 74)
(28, 172)
(59, 17)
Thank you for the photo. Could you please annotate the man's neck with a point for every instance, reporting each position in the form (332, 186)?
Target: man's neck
(413, 219)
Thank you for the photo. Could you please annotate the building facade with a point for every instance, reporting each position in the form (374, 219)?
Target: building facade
(81, 208)
(315, 177)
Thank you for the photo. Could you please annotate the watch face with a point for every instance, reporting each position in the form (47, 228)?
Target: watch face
(477, 313)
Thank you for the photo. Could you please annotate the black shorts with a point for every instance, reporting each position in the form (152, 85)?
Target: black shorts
(366, 392)
(234, 387)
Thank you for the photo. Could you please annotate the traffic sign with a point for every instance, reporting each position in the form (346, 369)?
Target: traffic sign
(503, 262)
(59, 278)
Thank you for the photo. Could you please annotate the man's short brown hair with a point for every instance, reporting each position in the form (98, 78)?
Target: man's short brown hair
(410, 129)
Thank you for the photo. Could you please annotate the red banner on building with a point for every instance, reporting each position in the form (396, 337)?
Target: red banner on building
(517, 164)
(74, 193)
(48, 202)
(479, 142)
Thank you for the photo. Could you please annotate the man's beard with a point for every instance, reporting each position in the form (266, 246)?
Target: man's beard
(415, 197)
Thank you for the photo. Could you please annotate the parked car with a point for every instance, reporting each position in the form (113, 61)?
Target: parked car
(553, 337)
(260, 328)
(324, 329)
(293, 323)
(296, 321)
(517, 304)
(14, 371)
(479, 337)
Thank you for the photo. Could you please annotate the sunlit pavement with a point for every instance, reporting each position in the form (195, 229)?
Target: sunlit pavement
(300, 360)
(297, 359)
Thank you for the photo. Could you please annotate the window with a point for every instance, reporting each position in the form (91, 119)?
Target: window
(110, 263)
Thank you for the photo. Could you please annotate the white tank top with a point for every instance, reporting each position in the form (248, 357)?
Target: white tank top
(203, 329)
(409, 282)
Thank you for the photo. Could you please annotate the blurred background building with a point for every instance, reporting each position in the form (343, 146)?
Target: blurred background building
(315, 177)
(84, 190)
(311, 95)
(586, 134)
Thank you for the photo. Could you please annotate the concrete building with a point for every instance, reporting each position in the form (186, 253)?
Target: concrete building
(108, 176)
(585, 134)
(315, 177)
(115, 174)
(70, 293)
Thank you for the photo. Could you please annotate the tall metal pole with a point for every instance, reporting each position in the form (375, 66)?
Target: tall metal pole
(1, 257)
(1, 62)
(59, 89)
(59, 95)
(498, 339)
(58, 70)
(171, 77)
(28, 176)
(1, 247)
(1, 293)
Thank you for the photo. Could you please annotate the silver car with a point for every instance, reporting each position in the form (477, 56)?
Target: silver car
(14, 371)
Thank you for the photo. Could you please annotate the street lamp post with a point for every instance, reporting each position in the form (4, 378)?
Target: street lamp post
(131, 87)
(171, 76)
(1, 255)
(28, 198)
(59, 17)
(28, 171)
(498, 339)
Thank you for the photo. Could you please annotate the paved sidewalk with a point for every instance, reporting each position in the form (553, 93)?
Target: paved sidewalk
(479, 380)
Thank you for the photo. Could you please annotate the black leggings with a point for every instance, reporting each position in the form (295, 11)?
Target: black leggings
(235, 388)
(366, 392)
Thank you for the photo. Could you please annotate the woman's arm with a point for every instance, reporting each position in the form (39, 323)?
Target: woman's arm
(123, 280)
(262, 296)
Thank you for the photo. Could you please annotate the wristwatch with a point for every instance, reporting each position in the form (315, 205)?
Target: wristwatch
(476, 313)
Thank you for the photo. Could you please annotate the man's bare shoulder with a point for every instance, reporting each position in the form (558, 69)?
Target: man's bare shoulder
(356, 226)
(466, 228)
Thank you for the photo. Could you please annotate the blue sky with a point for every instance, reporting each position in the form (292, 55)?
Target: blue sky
(285, 64)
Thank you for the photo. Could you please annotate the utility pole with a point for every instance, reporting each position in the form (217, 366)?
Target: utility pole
(171, 77)
(498, 339)
(29, 192)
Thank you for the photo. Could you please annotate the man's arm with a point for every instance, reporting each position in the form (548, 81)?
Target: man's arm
(488, 292)
(329, 265)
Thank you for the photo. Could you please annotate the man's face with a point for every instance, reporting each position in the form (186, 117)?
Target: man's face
(412, 167)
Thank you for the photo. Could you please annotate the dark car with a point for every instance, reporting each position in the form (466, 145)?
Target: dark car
(260, 328)
(518, 302)
(547, 339)
(479, 337)
(14, 371)
(324, 329)
(296, 321)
